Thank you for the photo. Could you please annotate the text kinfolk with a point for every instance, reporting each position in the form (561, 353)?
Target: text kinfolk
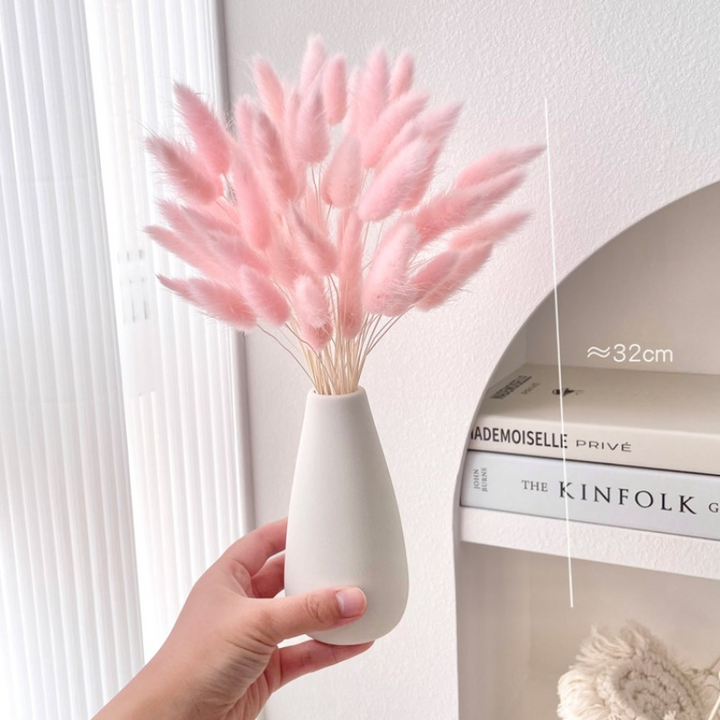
(623, 496)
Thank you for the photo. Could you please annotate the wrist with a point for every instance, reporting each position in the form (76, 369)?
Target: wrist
(157, 692)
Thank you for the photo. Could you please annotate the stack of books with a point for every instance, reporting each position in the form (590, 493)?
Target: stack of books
(635, 449)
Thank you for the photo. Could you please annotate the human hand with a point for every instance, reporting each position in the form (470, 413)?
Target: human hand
(222, 660)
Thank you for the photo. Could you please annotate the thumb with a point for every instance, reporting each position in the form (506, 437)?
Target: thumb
(314, 611)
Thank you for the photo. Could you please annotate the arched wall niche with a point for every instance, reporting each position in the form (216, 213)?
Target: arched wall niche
(657, 285)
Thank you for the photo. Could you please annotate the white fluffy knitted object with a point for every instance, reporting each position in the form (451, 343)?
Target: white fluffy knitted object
(631, 676)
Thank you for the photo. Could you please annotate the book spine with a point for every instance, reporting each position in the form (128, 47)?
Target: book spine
(657, 500)
(684, 452)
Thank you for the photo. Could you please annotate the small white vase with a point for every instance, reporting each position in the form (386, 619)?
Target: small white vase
(344, 527)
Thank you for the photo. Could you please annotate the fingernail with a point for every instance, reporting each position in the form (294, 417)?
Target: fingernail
(351, 601)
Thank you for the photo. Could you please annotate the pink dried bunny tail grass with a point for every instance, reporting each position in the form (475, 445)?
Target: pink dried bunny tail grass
(402, 76)
(245, 116)
(385, 288)
(216, 299)
(198, 257)
(270, 90)
(317, 337)
(334, 89)
(460, 206)
(206, 222)
(184, 226)
(265, 300)
(396, 181)
(211, 139)
(223, 209)
(435, 125)
(438, 123)
(342, 178)
(468, 263)
(316, 211)
(254, 215)
(314, 249)
(491, 230)
(280, 180)
(312, 63)
(280, 218)
(207, 248)
(297, 166)
(185, 171)
(313, 311)
(351, 116)
(389, 124)
(497, 163)
(234, 253)
(433, 274)
(373, 90)
(284, 263)
(312, 139)
(409, 133)
(208, 234)
(350, 309)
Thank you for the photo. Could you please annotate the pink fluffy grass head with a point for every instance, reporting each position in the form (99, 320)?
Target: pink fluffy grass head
(312, 218)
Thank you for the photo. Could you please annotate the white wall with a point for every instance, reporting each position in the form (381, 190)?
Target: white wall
(632, 91)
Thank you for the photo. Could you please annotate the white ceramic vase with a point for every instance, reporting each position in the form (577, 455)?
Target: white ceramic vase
(344, 527)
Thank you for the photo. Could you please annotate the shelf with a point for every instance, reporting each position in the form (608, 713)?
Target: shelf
(522, 616)
(619, 546)
(521, 631)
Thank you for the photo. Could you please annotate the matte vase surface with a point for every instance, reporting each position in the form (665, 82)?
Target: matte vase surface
(344, 527)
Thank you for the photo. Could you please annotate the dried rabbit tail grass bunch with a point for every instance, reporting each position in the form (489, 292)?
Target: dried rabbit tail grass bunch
(632, 676)
(312, 217)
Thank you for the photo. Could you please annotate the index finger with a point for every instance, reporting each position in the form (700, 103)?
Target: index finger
(254, 549)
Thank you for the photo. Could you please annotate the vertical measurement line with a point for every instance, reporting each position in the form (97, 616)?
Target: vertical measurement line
(559, 358)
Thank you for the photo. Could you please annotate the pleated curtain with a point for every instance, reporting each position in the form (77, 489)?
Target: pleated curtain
(122, 433)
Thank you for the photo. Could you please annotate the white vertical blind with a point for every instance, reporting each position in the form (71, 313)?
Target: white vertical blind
(177, 365)
(67, 560)
(120, 466)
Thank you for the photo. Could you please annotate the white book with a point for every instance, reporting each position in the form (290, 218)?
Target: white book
(625, 417)
(630, 497)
